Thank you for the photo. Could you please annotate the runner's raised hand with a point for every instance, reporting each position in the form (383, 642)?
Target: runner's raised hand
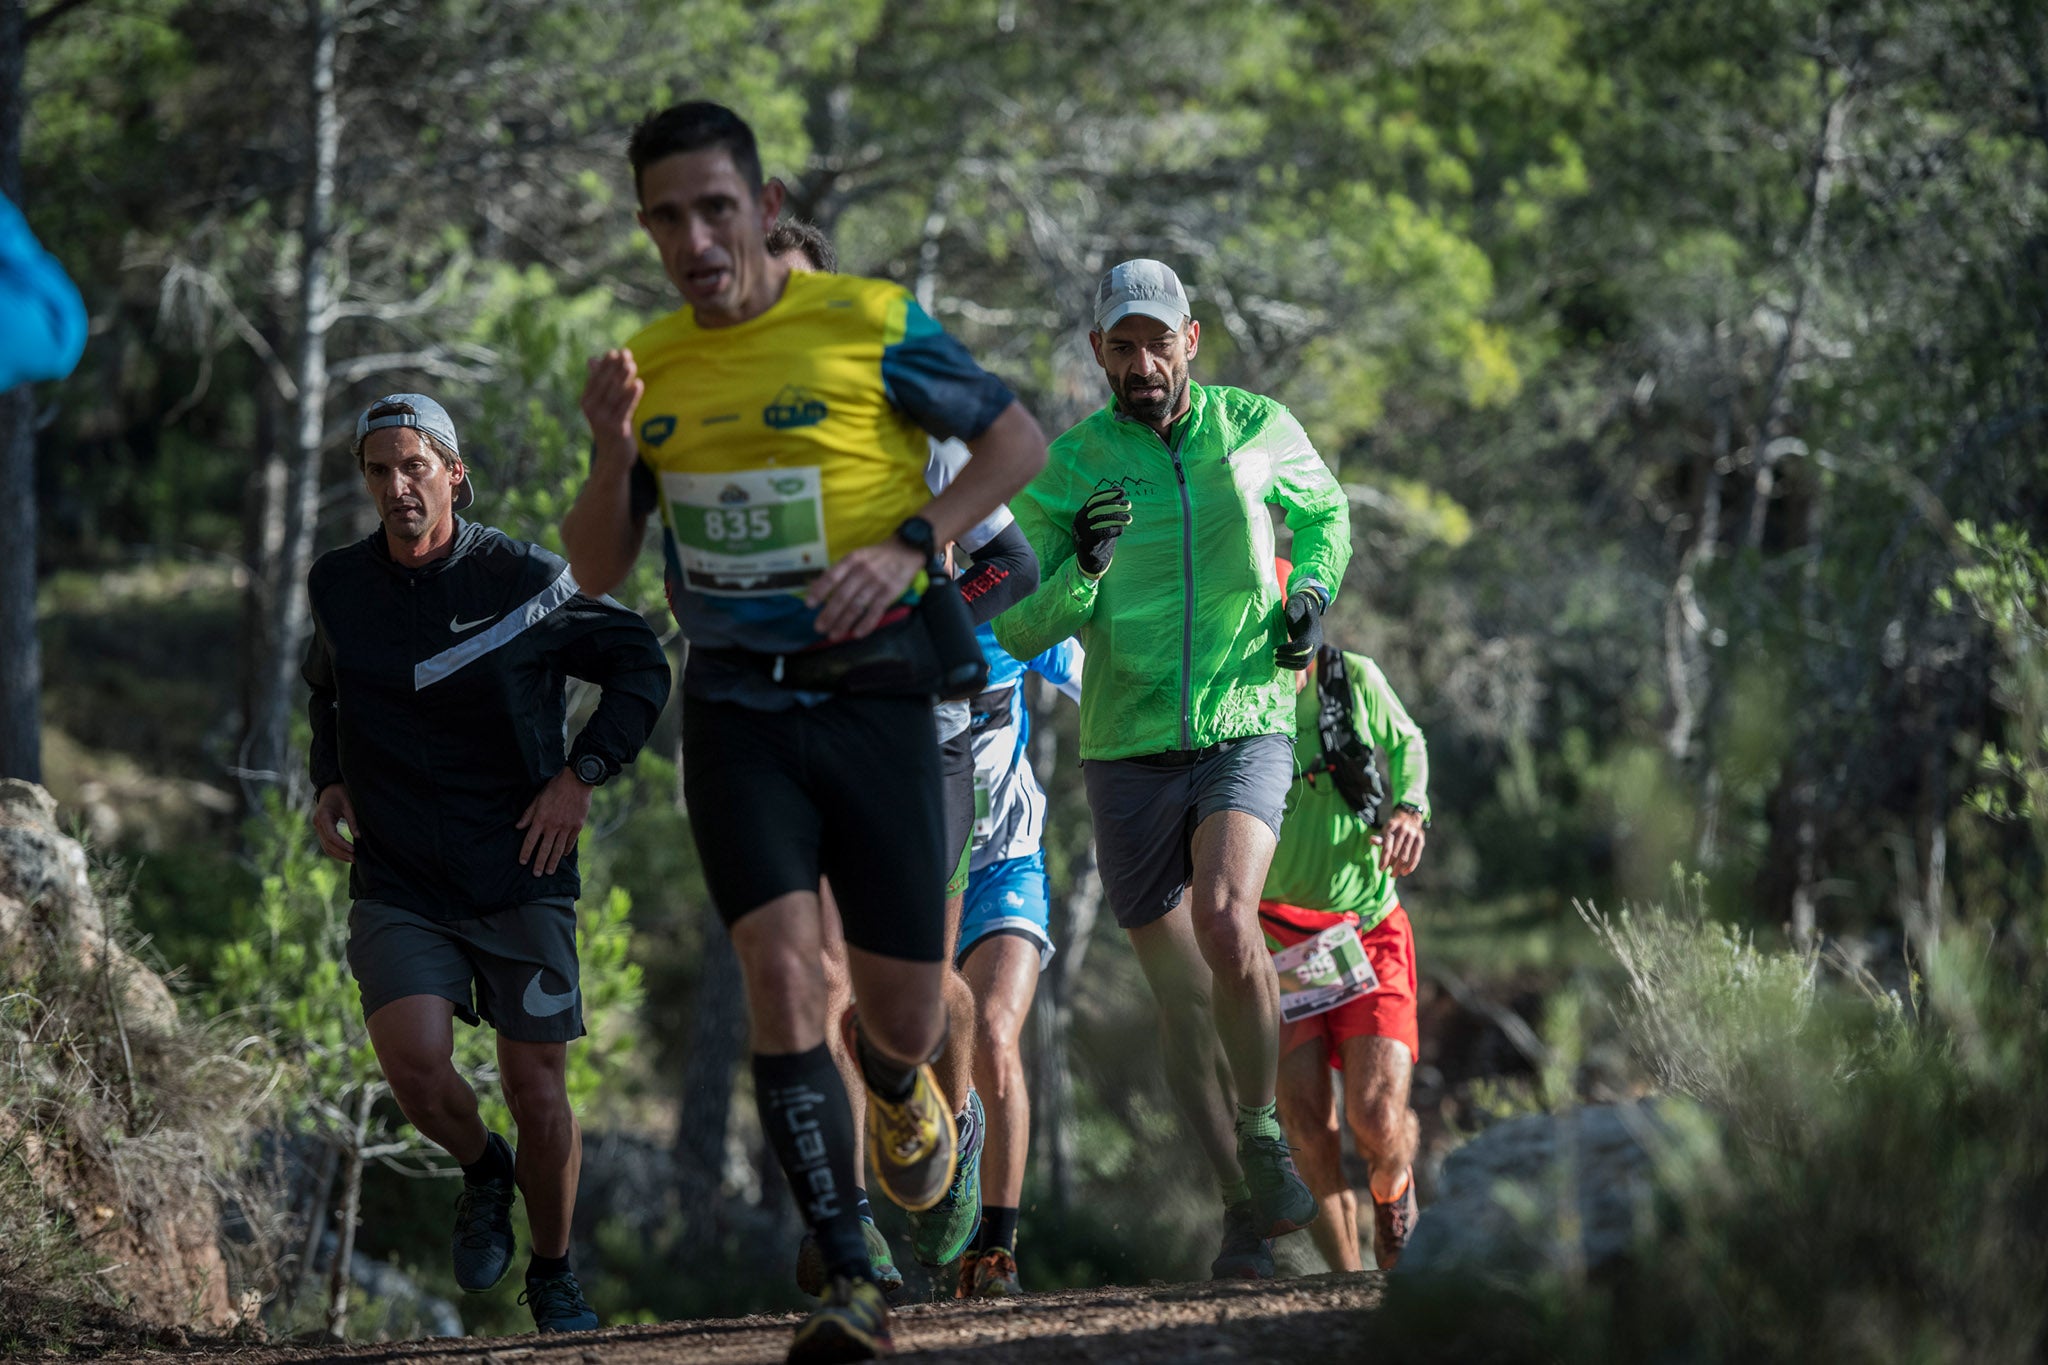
(610, 395)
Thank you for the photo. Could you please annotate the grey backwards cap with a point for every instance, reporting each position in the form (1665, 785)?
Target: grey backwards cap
(1140, 286)
(427, 416)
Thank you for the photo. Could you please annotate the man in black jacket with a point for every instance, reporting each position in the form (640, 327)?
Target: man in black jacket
(438, 662)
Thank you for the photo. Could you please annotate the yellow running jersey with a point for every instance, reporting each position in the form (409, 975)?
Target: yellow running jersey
(775, 446)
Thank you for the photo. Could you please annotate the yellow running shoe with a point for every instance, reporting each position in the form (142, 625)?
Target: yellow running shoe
(911, 1144)
(851, 1324)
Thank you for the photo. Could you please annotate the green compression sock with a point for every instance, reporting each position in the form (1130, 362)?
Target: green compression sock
(1263, 1122)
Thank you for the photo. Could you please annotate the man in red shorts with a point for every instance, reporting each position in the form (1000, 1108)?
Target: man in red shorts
(1344, 950)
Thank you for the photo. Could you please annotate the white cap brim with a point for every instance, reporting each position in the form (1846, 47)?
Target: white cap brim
(1152, 308)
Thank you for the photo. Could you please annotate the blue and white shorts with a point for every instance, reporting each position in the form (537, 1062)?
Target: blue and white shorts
(1009, 897)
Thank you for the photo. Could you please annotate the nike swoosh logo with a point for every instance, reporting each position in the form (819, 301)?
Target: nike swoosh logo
(540, 1004)
(458, 627)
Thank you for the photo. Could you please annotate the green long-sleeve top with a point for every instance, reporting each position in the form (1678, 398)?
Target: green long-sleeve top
(1181, 628)
(1326, 859)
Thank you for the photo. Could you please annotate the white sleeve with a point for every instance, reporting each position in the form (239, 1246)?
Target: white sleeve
(947, 459)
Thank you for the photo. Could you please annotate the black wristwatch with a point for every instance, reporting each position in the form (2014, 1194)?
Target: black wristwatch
(591, 770)
(1411, 807)
(916, 532)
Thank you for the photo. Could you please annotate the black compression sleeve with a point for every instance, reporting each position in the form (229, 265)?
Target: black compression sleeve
(1005, 572)
(809, 1127)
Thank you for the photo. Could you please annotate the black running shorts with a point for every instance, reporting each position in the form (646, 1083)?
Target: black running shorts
(1147, 809)
(848, 789)
(513, 969)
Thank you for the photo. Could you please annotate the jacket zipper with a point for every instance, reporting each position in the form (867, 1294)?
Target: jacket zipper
(1187, 593)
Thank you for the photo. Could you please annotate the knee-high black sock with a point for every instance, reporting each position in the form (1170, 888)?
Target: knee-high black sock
(807, 1119)
(891, 1080)
(998, 1229)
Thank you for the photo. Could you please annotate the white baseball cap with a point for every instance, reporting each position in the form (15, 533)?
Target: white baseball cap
(426, 416)
(1141, 286)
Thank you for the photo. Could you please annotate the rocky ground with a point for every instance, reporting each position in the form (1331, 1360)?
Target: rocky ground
(1318, 1317)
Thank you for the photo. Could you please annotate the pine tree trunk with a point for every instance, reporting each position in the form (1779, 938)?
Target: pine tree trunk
(270, 723)
(321, 1190)
(21, 659)
(263, 558)
(718, 1033)
(340, 1277)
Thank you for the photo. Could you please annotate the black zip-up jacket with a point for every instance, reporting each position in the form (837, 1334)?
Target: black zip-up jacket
(438, 700)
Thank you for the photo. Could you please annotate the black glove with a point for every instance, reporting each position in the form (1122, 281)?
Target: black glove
(1097, 525)
(1304, 631)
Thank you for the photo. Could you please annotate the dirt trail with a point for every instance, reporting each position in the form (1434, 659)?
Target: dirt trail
(1317, 1317)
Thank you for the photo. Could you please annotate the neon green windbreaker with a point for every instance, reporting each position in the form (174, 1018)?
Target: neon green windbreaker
(1180, 630)
(1326, 859)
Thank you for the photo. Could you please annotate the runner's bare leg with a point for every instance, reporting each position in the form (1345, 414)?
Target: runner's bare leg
(1232, 851)
(1196, 1071)
(839, 1022)
(414, 1039)
(1308, 1111)
(1377, 1075)
(549, 1143)
(1003, 971)
(955, 1067)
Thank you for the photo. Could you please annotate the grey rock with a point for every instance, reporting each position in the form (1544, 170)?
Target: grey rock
(398, 1309)
(1568, 1193)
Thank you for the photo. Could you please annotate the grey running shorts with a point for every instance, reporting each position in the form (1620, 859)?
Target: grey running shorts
(514, 969)
(1146, 810)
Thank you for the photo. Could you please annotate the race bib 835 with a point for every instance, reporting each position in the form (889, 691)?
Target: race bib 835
(748, 533)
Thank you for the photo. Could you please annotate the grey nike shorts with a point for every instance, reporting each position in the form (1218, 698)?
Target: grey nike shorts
(514, 970)
(1146, 810)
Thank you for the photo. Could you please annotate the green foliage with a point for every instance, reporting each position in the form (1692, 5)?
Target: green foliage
(1860, 1181)
(2006, 588)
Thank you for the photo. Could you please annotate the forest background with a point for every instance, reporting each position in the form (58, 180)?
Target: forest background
(1687, 368)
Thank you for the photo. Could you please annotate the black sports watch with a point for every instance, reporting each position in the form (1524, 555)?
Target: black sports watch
(917, 533)
(1413, 809)
(591, 770)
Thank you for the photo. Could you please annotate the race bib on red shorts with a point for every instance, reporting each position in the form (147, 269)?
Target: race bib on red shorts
(1322, 963)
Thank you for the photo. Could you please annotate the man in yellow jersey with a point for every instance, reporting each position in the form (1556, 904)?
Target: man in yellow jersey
(778, 423)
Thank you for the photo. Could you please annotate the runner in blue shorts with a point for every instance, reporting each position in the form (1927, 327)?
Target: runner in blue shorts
(1004, 942)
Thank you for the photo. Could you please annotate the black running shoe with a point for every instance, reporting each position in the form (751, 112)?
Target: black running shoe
(1245, 1254)
(558, 1305)
(483, 1243)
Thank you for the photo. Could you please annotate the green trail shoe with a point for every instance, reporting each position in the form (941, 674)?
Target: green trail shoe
(1282, 1199)
(810, 1263)
(558, 1305)
(1245, 1254)
(852, 1323)
(940, 1234)
(911, 1145)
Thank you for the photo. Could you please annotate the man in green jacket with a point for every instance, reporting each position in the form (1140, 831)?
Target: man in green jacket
(1156, 548)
